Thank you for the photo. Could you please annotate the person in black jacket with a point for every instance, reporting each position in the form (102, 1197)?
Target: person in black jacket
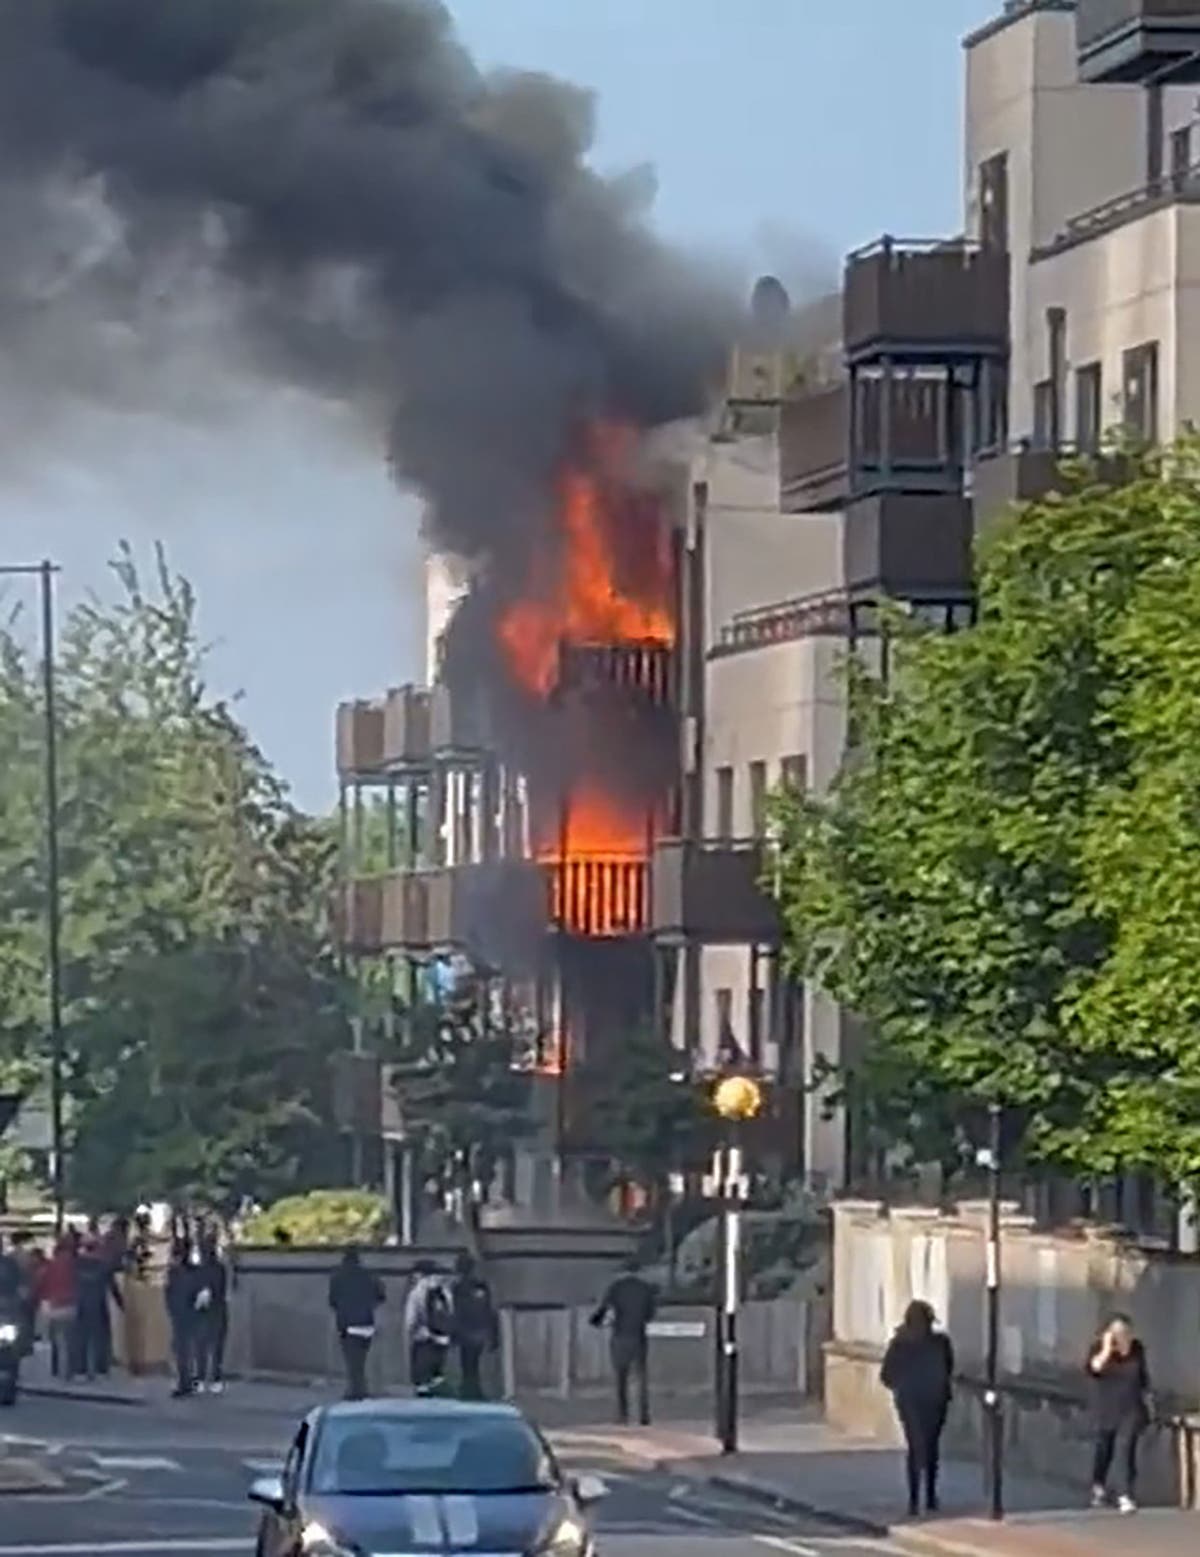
(93, 1323)
(212, 1315)
(1120, 1385)
(476, 1329)
(632, 1302)
(918, 1368)
(182, 1290)
(354, 1295)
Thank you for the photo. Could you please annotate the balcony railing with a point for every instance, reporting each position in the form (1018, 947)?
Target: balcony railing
(925, 300)
(1133, 40)
(1023, 475)
(599, 897)
(1181, 187)
(814, 431)
(405, 910)
(406, 727)
(808, 616)
(903, 543)
(358, 915)
(711, 892)
(359, 738)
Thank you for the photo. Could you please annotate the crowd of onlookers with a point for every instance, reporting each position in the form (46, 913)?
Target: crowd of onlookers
(64, 1294)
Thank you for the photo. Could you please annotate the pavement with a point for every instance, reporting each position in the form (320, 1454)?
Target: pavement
(90, 1476)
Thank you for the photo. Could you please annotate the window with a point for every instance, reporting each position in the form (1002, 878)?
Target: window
(758, 798)
(793, 772)
(1140, 391)
(1088, 407)
(993, 202)
(1181, 154)
(1056, 353)
(725, 804)
(723, 1001)
(1043, 413)
(382, 1455)
(756, 1035)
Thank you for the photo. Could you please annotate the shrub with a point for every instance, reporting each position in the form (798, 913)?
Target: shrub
(322, 1217)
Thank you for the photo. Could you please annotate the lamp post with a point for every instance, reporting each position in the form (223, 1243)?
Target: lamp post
(45, 571)
(991, 1156)
(736, 1099)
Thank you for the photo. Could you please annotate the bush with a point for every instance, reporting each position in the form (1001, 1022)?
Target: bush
(322, 1217)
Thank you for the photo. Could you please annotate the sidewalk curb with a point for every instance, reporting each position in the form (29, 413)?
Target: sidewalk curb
(96, 1397)
(761, 1492)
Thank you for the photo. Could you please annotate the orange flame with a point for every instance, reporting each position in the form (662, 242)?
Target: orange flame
(598, 864)
(586, 596)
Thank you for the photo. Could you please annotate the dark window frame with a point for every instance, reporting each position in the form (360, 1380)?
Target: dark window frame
(1089, 406)
(725, 787)
(1139, 391)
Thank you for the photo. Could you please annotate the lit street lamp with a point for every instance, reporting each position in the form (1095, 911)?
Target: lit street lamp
(45, 572)
(736, 1099)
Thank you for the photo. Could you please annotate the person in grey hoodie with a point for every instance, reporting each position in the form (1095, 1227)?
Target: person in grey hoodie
(429, 1328)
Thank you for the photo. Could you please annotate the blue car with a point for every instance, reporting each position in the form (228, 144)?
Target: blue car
(378, 1478)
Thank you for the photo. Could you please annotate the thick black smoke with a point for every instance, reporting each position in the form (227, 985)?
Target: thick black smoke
(369, 216)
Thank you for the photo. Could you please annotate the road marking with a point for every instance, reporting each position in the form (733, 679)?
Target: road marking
(695, 1517)
(135, 1462)
(125, 1548)
(783, 1545)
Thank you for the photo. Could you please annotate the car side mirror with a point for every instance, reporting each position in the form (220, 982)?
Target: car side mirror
(268, 1491)
(589, 1490)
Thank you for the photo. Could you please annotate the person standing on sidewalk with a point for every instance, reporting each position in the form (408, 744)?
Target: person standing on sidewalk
(182, 1291)
(354, 1296)
(58, 1299)
(476, 1329)
(212, 1316)
(1119, 1376)
(632, 1302)
(97, 1285)
(429, 1329)
(918, 1369)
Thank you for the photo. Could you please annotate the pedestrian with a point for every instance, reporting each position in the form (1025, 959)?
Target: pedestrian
(476, 1330)
(428, 1328)
(97, 1286)
(182, 1290)
(212, 1316)
(918, 1368)
(632, 1303)
(28, 1269)
(57, 1295)
(355, 1295)
(1119, 1376)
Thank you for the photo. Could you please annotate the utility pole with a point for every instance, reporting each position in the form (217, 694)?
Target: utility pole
(45, 572)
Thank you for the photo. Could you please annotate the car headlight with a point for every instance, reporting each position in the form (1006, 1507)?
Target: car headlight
(9, 1334)
(568, 1538)
(316, 1541)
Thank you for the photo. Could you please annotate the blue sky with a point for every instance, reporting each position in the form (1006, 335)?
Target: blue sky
(782, 133)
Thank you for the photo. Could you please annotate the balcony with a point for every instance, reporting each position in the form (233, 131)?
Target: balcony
(710, 892)
(359, 739)
(1132, 40)
(405, 911)
(1023, 475)
(925, 302)
(814, 433)
(599, 897)
(406, 728)
(455, 724)
(904, 439)
(908, 543)
(358, 915)
(496, 912)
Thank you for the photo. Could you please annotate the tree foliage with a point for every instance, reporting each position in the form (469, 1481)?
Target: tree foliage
(652, 1119)
(1003, 879)
(200, 1000)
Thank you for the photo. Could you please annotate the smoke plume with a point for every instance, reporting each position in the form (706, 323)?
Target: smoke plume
(334, 196)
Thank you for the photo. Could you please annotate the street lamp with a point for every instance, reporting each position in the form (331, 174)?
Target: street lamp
(990, 1156)
(736, 1099)
(45, 571)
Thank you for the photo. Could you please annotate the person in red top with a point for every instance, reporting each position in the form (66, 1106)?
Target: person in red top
(58, 1295)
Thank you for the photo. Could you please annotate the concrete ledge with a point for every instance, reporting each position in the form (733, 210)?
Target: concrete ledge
(759, 1492)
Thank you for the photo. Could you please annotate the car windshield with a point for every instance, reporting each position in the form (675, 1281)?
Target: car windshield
(363, 1453)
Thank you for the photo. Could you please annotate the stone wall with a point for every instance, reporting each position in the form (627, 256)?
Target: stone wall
(1057, 1288)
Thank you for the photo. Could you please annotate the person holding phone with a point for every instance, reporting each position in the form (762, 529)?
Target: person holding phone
(1119, 1377)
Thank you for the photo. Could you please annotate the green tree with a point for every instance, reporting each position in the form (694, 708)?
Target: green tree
(653, 1119)
(463, 1092)
(998, 881)
(194, 903)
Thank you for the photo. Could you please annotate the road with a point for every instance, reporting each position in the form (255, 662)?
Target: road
(156, 1481)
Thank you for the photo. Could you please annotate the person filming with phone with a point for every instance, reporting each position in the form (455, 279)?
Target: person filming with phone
(1119, 1377)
